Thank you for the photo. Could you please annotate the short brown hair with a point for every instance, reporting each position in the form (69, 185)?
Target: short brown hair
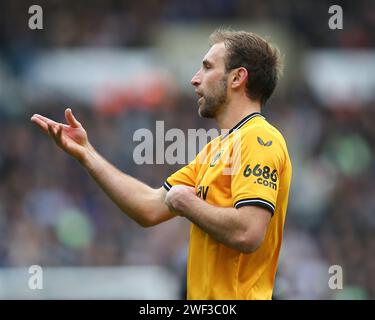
(261, 60)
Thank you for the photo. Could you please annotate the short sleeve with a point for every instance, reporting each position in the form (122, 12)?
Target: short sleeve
(259, 159)
(185, 176)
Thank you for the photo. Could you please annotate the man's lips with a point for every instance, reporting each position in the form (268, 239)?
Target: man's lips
(199, 94)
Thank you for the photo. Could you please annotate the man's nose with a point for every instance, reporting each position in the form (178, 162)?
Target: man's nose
(196, 80)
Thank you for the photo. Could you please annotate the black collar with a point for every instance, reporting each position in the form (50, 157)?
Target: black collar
(242, 122)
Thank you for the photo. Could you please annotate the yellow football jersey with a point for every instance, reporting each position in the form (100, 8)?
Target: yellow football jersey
(249, 165)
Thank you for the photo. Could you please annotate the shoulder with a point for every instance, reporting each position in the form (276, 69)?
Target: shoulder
(261, 136)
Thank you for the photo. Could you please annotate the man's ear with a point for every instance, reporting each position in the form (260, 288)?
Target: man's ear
(239, 77)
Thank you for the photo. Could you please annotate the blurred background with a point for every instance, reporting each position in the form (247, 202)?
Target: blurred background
(123, 65)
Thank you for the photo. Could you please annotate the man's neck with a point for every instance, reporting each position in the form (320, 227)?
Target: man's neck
(235, 112)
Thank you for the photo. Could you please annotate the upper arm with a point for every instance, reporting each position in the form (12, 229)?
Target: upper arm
(259, 162)
(256, 220)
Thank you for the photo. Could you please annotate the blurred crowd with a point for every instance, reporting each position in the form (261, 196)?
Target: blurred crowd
(77, 23)
(53, 214)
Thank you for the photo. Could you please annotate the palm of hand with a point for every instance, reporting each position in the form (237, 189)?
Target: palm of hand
(71, 137)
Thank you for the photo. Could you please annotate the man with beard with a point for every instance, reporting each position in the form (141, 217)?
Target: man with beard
(235, 192)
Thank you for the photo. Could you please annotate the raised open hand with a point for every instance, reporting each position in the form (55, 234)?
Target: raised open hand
(71, 137)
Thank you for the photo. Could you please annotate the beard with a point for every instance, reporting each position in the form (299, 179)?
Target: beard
(212, 101)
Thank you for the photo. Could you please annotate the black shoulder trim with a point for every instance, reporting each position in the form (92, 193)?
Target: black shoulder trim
(167, 185)
(255, 202)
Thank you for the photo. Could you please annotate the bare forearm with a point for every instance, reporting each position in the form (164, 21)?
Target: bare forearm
(142, 203)
(223, 224)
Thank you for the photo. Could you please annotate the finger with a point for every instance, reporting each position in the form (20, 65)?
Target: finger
(53, 132)
(192, 190)
(45, 119)
(71, 119)
(40, 123)
(40, 119)
(59, 134)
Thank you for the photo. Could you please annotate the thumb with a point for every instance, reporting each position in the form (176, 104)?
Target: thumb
(72, 121)
(190, 189)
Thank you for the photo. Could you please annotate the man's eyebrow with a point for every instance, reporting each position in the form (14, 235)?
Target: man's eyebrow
(206, 63)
